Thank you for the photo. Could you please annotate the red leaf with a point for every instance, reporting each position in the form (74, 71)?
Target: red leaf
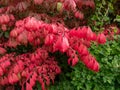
(62, 44)
(79, 15)
(34, 76)
(21, 65)
(40, 80)
(31, 24)
(2, 51)
(90, 62)
(13, 33)
(101, 38)
(58, 70)
(4, 27)
(24, 74)
(33, 58)
(28, 86)
(12, 42)
(19, 23)
(96, 67)
(16, 69)
(89, 34)
(82, 49)
(15, 78)
(1, 71)
(22, 38)
(38, 1)
(4, 80)
(10, 79)
(73, 60)
(32, 82)
(4, 19)
(69, 5)
(73, 32)
(43, 86)
(7, 63)
(30, 37)
(49, 39)
(47, 80)
(21, 6)
(94, 37)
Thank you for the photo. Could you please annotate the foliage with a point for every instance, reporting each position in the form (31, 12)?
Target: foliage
(104, 14)
(33, 31)
(108, 78)
(105, 18)
(117, 18)
(41, 41)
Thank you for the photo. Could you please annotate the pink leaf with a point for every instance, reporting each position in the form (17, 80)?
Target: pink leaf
(38, 1)
(79, 15)
(1, 71)
(22, 38)
(58, 70)
(69, 5)
(90, 62)
(13, 33)
(28, 86)
(2, 51)
(82, 49)
(62, 44)
(16, 69)
(73, 60)
(49, 39)
(101, 38)
(32, 82)
(15, 78)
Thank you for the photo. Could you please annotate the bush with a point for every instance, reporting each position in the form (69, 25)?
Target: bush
(108, 78)
(80, 78)
(33, 31)
(41, 38)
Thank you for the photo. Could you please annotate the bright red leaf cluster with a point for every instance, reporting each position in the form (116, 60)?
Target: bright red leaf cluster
(50, 38)
(6, 20)
(28, 68)
(55, 37)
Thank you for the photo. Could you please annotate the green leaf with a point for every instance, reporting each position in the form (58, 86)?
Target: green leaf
(6, 34)
(117, 19)
(1, 34)
(38, 86)
(59, 6)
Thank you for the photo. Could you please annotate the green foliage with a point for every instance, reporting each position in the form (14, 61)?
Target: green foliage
(63, 85)
(117, 19)
(103, 15)
(108, 78)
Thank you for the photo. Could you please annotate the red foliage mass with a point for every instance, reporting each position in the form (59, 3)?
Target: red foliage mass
(44, 37)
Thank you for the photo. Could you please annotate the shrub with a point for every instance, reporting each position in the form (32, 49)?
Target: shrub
(108, 77)
(33, 31)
